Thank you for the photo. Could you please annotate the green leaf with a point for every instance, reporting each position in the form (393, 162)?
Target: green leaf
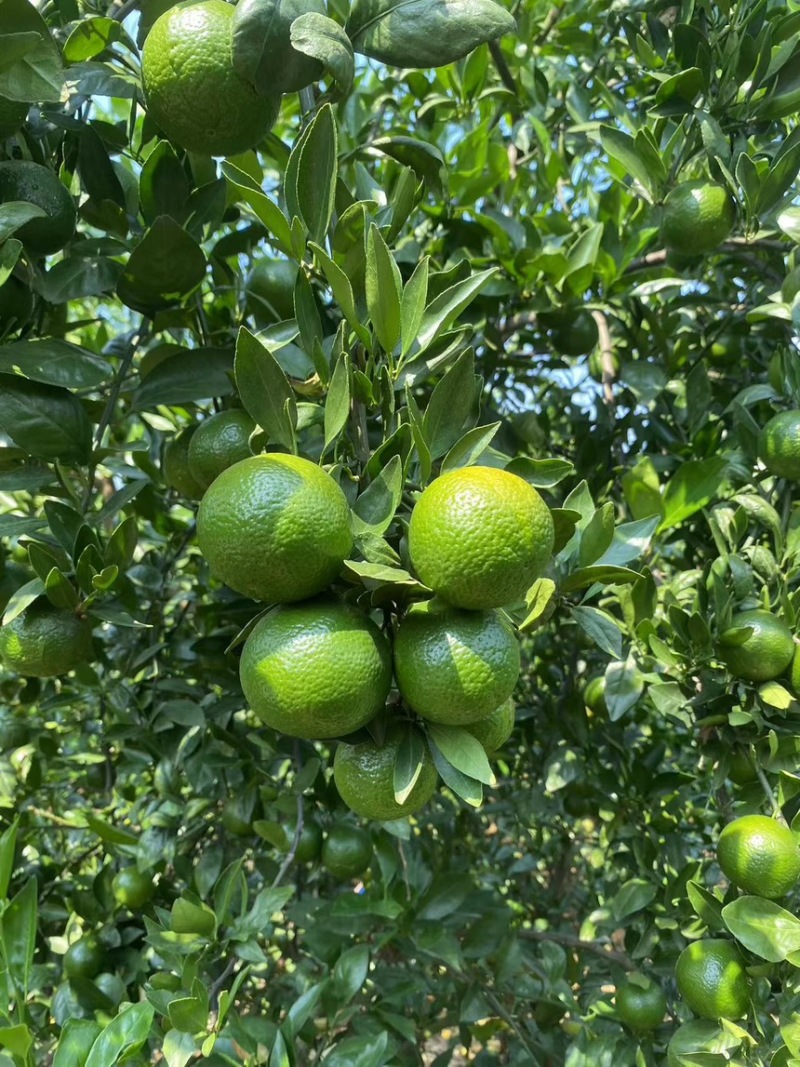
(696, 483)
(323, 39)
(310, 183)
(452, 402)
(266, 211)
(265, 389)
(123, 1036)
(376, 506)
(585, 577)
(31, 68)
(462, 751)
(468, 449)
(424, 33)
(624, 686)
(56, 362)
(360, 1052)
(541, 473)
(178, 1048)
(384, 288)
(596, 536)
(763, 927)
(164, 188)
(342, 291)
(408, 764)
(8, 844)
(706, 905)
(442, 312)
(539, 601)
(262, 48)
(412, 305)
(186, 376)
(350, 972)
(18, 935)
(17, 1039)
(601, 628)
(22, 597)
(163, 269)
(46, 421)
(91, 37)
(337, 402)
(634, 895)
(75, 1042)
(469, 789)
(14, 214)
(635, 160)
(192, 917)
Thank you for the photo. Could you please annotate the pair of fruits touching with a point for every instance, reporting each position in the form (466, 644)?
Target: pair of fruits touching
(345, 850)
(277, 528)
(759, 856)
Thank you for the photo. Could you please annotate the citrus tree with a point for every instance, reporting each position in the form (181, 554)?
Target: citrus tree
(399, 427)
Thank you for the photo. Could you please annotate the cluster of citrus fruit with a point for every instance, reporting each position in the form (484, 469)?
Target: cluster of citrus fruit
(761, 857)
(277, 528)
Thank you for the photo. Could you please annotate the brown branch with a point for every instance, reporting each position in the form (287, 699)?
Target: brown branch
(506, 77)
(606, 359)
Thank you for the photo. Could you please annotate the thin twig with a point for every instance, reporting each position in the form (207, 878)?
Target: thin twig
(119, 12)
(776, 808)
(298, 830)
(506, 77)
(510, 1021)
(111, 403)
(571, 941)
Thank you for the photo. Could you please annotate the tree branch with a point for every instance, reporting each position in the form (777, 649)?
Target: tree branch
(607, 359)
(571, 941)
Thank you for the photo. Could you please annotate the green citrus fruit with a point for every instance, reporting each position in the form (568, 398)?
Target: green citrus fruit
(175, 465)
(479, 537)
(766, 653)
(132, 888)
(45, 641)
(12, 115)
(455, 667)
(315, 670)
(112, 986)
(84, 958)
(347, 851)
(727, 347)
(779, 445)
(16, 304)
(364, 776)
(12, 576)
(23, 180)
(309, 845)
(218, 443)
(760, 856)
(270, 290)
(740, 768)
(494, 730)
(275, 528)
(192, 90)
(641, 1003)
(698, 217)
(574, 333)
(236, 819)
(712, 979)
(594, 694)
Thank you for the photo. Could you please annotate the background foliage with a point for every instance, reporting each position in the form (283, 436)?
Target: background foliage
(463, 217)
